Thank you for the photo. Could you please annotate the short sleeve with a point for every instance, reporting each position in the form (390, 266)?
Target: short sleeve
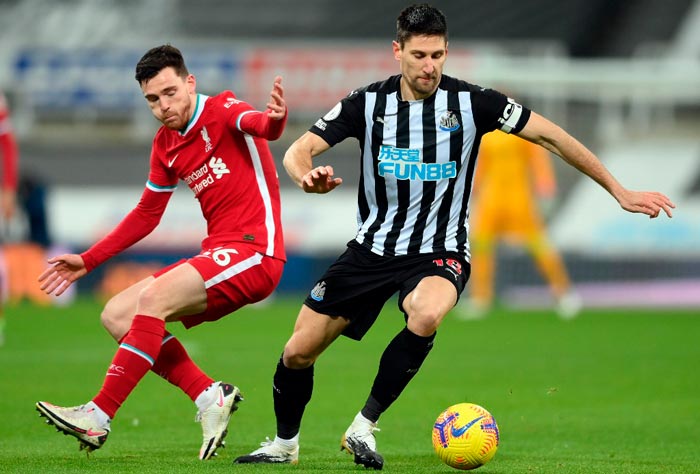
(495, 111)
(345, 119)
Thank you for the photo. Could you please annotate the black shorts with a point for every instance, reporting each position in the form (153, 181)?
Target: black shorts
(359, 282)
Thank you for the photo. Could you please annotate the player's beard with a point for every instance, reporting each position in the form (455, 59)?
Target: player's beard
(173, 122)
(425, 86)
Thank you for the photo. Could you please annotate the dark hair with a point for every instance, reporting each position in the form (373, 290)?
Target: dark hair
(420, 19)
(158, 58)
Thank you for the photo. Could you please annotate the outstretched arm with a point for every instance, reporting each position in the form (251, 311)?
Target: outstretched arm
(545, 133)
(298, 163)
(67, 268)
(269, 124)
(135, 226)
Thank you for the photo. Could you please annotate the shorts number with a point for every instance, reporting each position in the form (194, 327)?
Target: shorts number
(223, 256)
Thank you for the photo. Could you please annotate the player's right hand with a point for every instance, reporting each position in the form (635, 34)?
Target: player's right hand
(320, 180)
(64, 270)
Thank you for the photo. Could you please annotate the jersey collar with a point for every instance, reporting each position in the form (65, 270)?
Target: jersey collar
(198, 109)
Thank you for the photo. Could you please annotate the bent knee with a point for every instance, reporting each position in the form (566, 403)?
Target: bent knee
(153, 302)
(425, 323)
(293, 358)
(116, 319)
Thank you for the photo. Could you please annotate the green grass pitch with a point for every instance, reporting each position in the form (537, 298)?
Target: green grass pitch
(610, 392)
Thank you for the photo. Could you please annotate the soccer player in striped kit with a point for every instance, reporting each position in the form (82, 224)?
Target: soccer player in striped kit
(419, 134)
(219, 147)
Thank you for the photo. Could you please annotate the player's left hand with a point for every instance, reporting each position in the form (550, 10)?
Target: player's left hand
(646, 202)
(320, 180)
(277, 107)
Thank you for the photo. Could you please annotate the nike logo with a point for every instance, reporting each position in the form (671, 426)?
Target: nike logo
(89, 432)
(221, 399)
(457, 432)
(380, 120)
(170, 162)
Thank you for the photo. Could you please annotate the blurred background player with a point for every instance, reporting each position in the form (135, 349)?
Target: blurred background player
(8, 191)
(514, 184)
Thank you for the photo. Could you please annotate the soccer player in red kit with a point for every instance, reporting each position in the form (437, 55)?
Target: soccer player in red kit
(218, 147)
(8, 187)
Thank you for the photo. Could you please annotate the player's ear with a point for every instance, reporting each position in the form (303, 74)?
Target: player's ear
(191, 83)
(397, 50)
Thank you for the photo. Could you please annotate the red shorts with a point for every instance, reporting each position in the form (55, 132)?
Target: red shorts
(234, 276)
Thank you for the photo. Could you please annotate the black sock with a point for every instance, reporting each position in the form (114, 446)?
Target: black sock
(400, 362)
(291, 391)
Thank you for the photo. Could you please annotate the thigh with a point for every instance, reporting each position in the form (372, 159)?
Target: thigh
(177, 292)
(449, 266)
(430, 288)
(313, 333)
(428, 303)
(232, 277)
(355, 287)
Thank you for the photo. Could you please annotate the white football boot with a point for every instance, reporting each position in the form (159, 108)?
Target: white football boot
(272, 452)
(215, 418)
(359, 440)
(79, 422)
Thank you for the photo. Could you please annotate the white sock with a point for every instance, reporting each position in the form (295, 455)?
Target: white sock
(288, 443)
(100, 416)
(207, 397)
(361, 419)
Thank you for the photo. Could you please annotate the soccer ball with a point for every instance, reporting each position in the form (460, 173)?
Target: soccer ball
(465, 436)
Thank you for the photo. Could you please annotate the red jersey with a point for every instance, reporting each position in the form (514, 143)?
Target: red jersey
(8, 147)
(224, 158)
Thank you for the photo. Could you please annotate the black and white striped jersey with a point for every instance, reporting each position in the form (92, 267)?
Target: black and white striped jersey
(417, 160)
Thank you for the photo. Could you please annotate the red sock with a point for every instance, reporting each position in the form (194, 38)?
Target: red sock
(175, 366)
(135, 356)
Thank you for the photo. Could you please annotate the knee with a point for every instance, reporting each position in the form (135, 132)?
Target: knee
(115, 320)
(151, 302)
(295, 358)
(425, 322)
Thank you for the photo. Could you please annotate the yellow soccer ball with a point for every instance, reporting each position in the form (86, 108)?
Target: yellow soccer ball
(465, 436)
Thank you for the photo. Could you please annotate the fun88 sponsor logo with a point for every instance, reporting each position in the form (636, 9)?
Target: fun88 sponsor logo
(406, 163)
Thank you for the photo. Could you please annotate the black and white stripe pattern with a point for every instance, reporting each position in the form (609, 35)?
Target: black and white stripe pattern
(418, 161)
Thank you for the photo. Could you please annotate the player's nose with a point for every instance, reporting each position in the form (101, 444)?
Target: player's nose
(165, 104)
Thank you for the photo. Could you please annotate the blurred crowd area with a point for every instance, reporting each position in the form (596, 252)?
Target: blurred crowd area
(619, 75)
(606, 70)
